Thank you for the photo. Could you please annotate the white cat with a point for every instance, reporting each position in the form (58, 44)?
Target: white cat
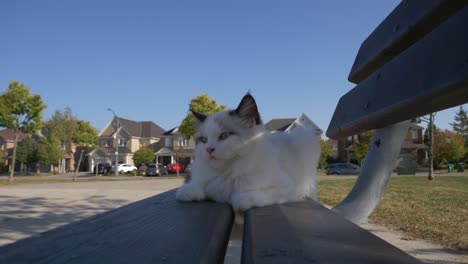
(238, 162)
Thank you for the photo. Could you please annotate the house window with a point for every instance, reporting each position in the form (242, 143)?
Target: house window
(168, 142)
(105, 143)
(122, 142)
(414, 134)
(182, 142)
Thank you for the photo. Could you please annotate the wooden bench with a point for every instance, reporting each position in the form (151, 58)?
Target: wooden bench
(414, 63)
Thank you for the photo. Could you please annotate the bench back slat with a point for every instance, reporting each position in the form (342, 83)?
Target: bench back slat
(429, 76)
(405, 25)
(158, 229)
(307, 232)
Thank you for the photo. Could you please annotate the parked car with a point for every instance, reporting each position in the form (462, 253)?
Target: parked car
(124, 168)
(152, 170)
(102, 168)
(343, 168)
(174, 167)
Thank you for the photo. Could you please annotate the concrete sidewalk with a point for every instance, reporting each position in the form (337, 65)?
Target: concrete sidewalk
(29, 209)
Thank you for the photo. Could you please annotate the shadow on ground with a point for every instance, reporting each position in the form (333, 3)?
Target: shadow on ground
(24, 217)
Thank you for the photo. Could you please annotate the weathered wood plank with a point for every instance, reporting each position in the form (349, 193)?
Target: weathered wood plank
(429, 76)
(307, 232)
(405, 25)
(155, 230)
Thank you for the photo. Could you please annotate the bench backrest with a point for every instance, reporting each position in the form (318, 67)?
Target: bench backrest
(414, 63)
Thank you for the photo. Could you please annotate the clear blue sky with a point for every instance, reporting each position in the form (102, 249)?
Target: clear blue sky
(148, 59)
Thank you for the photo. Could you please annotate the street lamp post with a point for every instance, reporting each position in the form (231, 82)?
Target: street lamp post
(116, 143)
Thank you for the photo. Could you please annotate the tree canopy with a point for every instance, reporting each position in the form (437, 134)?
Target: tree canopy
(20, 111)
(49, 151)
(86, 138)
(448, 147)
(27, 152)
(202, 104)
(327, 152)
(460, 125)
(143, 155)
(362, 145)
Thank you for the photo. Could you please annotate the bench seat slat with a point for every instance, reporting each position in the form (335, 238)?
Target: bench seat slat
(307, 232)
(405, 25)
(429, 76)
(158, 229)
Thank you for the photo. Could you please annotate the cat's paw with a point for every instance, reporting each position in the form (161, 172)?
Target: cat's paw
(190, 192)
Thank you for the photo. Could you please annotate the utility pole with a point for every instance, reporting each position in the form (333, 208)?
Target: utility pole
(117, 126)
(431, 143)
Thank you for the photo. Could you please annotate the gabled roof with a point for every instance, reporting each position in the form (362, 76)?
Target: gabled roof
(9, 135)
(171, 132)
(143, 129)
(279, 124)
(288, 124)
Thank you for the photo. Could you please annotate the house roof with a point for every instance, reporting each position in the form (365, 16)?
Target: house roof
(143, 129)
(279, 124)
(9, 135)
(171, 132)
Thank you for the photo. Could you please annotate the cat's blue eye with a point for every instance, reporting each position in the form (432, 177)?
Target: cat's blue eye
(225, 135)
(201, 139)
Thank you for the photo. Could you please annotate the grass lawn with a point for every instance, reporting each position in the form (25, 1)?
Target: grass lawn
(432, 210)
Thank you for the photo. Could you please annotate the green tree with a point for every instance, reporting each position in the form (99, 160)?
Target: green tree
(327, 152)
(85, 138)
(460, 125)
(362, 145)
(49, 151)
(27, 152)
(143, 155)
(448, 147)
(63, 124)
(2, 161)
(202, 104)
(20, 111)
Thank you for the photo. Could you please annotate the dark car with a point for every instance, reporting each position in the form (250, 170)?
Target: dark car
(102, 168)
(343, 168)
(152, 170)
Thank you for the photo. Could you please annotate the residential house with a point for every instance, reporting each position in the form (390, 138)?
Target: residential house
(121, 138)
(176, 147)
(7, 142)
(413, 145)
(288, 124)
(334, 145)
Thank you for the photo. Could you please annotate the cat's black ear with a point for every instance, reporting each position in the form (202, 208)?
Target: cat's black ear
(201, 117)
(247, 109)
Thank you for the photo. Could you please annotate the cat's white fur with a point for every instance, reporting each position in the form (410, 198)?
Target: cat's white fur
(251, 167)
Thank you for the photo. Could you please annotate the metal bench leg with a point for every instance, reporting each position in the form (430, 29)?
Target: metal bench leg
(375, 173)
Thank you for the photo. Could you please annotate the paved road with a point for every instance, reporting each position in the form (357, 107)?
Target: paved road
(26, 210)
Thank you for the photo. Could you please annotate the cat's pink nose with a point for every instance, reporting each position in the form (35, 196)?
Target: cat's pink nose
(210, 150)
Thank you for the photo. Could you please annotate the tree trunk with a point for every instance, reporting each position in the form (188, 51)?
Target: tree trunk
(78, 167)
(13, 159)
